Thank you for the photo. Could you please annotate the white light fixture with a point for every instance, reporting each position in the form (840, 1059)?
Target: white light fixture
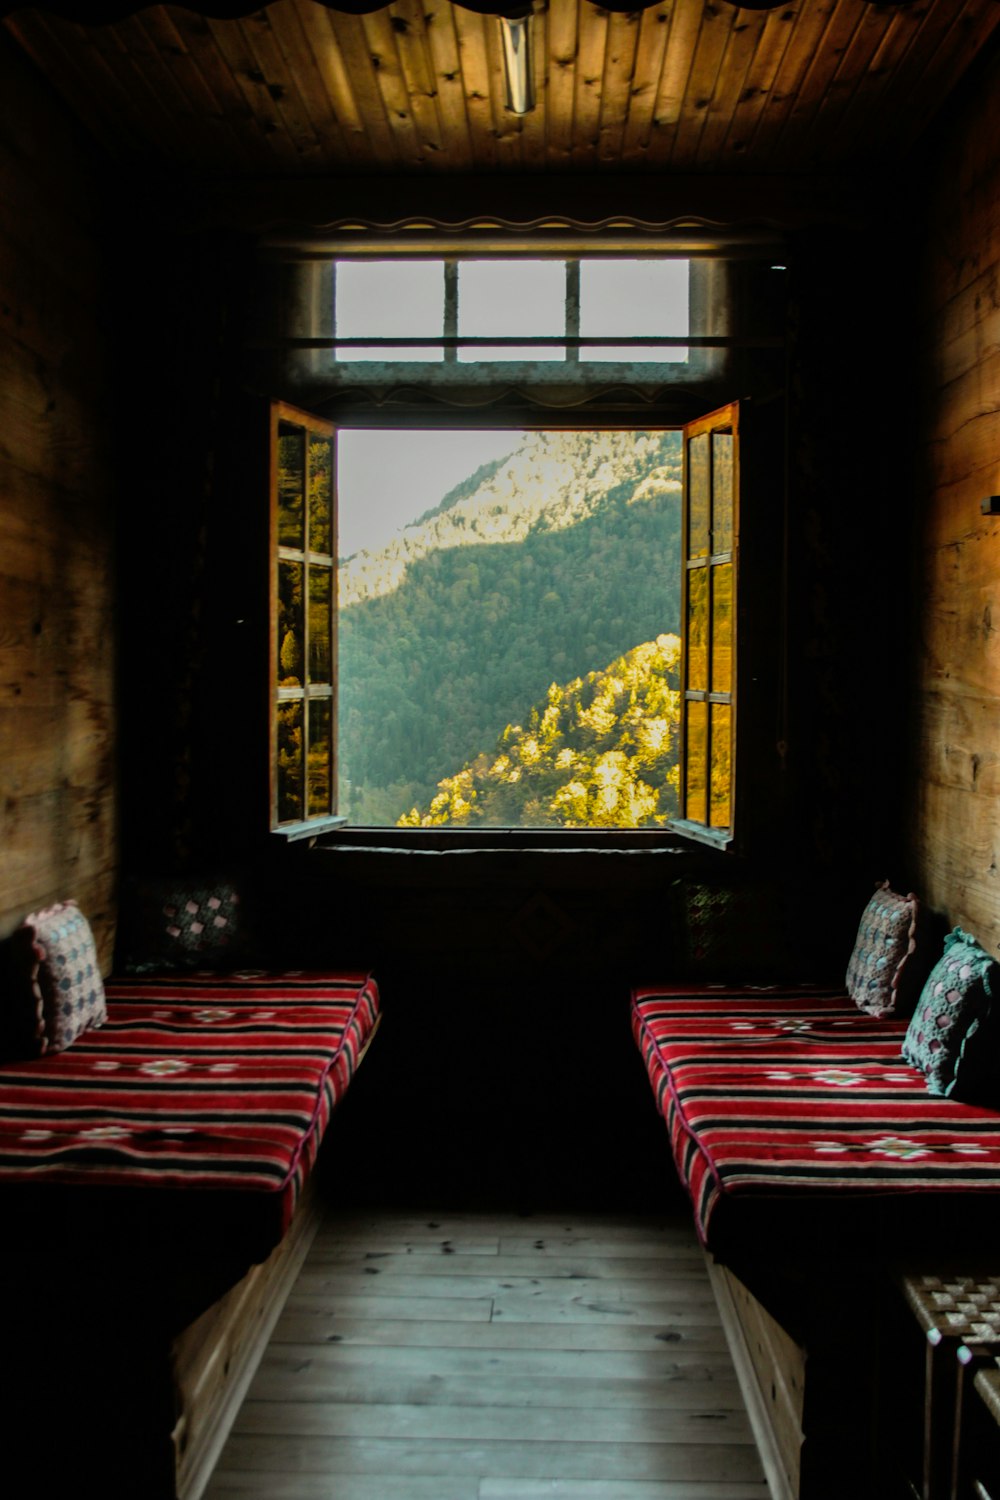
(519, 78)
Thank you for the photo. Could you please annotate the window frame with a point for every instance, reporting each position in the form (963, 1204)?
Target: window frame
(316, 371)
(681, 832)
(308, 692)
(725, 419)
(564, 353)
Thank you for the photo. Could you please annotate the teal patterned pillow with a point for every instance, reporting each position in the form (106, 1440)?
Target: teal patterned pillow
(949, 1037)
(883, 953)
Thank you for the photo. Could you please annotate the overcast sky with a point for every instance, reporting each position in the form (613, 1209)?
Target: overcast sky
(386, 478)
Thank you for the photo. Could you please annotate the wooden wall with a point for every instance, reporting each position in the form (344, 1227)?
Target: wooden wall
(57, 735)
(952, 800)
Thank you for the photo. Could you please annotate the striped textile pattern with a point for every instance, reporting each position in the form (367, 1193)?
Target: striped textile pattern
(773, 1093)
(196, 1081)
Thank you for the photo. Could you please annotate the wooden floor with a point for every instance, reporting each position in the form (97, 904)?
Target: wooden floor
(477, 1357)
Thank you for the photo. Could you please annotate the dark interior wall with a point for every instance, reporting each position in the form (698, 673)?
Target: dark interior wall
(851, 435)
(951, 794)
(189, 545)
(58, 794)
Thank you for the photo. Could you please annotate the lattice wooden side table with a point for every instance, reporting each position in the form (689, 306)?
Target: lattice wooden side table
(977, 1457)
(957, 1314)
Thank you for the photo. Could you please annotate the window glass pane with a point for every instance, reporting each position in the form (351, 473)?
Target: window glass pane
(320, 624)
(508, 628)
(291, 485)
(634, 297)
(696, 784)
(722, 491)
(319, 779)
(386, 299)
(722, 628)
(722, 766)
(698, 496)
(289, 768)
(697, 629)
(290, 624)
(511, 297)
(320, 494)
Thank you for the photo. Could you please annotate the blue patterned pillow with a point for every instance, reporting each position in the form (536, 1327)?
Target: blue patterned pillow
(59, 975)
(949, 1037)
(883, 954)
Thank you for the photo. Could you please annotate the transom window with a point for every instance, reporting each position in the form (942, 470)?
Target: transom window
(594, 310)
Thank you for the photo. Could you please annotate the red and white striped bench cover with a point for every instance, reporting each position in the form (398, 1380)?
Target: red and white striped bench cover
(196, 1082)
(775, 1095)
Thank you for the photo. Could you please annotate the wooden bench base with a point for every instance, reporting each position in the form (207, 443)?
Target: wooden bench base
(771, 1370)
(815, 1367)
(214, 1359)
(94, 1384)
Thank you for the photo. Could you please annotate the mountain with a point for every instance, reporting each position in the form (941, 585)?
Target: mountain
(552, 480)
(598, 752)
(554, 562)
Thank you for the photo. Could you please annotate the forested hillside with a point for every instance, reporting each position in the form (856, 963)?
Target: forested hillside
(599, 752)
(540, 569)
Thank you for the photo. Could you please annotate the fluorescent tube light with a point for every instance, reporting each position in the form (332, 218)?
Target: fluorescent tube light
(515, 38)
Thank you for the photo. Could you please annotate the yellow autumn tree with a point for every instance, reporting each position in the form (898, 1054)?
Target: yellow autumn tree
(599, 751)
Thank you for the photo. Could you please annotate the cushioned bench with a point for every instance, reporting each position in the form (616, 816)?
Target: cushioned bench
(157, 1137)
(791, 1110)
(829, 1140)
(202, 1097)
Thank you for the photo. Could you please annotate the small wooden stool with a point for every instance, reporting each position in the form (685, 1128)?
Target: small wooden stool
(956, 1313)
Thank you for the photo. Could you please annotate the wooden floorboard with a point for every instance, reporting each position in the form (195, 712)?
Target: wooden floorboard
(304, 1321)
(483, 1357)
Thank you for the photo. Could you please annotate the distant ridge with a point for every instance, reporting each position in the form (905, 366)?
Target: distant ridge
(549, 481)
(462, 490)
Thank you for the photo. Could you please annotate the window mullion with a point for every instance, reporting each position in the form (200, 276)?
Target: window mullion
(572, 310)
(450, 310)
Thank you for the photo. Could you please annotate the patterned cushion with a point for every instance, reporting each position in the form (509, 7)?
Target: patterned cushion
(733, 932)
(950, 1038)
(883, 953)
(59, 976)
(180, 925)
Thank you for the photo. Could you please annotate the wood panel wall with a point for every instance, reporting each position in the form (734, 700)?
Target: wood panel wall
(57, 737)
(953, 803)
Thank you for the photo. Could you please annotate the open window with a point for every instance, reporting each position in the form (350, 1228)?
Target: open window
(710, 543)
(303, 621)
(544, 639)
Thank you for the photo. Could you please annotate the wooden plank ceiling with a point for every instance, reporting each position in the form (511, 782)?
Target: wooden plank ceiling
(685, 86)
